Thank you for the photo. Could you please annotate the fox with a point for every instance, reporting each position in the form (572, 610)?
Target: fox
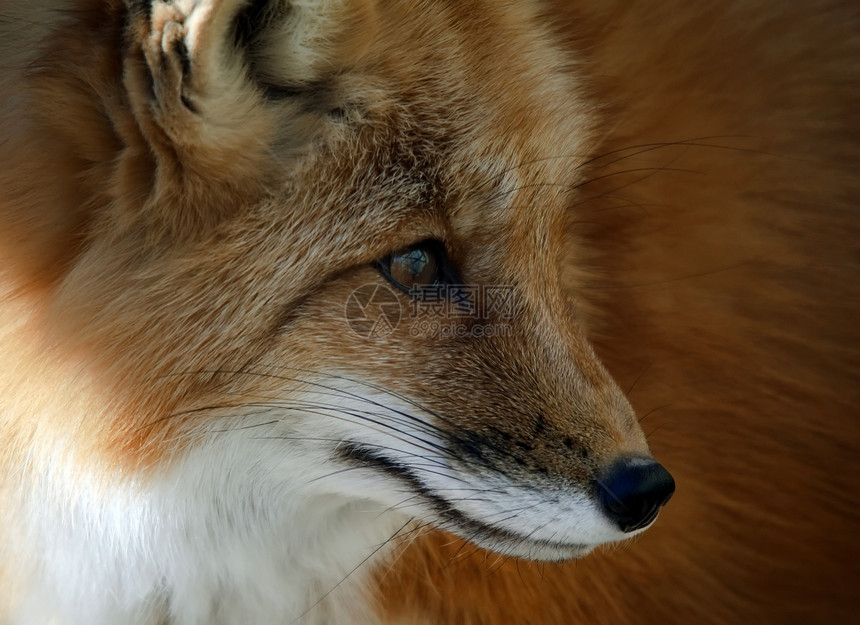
(356, 312)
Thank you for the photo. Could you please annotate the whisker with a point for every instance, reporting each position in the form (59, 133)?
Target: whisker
(351, 395)
(427, 428)
(327, 411)
(639, 377)
(377, 387)
(428, 446)
(410, 537)
(635, 150)
(511, 512)
(467, 542)
(501, 561)
(652, 411)
(572, 187)
(425, 425)
(348, 575)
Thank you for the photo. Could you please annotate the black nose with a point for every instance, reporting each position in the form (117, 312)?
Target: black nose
(633, 490)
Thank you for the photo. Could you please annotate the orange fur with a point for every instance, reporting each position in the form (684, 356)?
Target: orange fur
(685, 189)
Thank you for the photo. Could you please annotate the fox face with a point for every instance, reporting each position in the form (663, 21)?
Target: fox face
(317, 278)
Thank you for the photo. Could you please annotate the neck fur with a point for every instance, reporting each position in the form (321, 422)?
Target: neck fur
(204, 545)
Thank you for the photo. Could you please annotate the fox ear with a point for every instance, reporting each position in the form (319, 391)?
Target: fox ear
(213, 82)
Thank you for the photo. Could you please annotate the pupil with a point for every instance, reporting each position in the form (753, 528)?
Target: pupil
(416, 262)
(414, 267)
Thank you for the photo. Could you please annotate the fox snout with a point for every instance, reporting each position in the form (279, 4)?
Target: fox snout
(517, 439)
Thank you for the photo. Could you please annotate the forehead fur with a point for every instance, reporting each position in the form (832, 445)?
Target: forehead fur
(431, 145)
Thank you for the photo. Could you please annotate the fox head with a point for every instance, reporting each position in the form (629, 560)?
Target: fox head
(321, 244)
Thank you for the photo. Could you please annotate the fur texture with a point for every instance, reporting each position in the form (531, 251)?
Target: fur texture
(178, 442)
(192, 192)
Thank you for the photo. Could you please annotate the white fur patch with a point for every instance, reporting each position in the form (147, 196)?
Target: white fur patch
(262, 522)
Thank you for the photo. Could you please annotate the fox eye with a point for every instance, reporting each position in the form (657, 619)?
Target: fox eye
(417, 266)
